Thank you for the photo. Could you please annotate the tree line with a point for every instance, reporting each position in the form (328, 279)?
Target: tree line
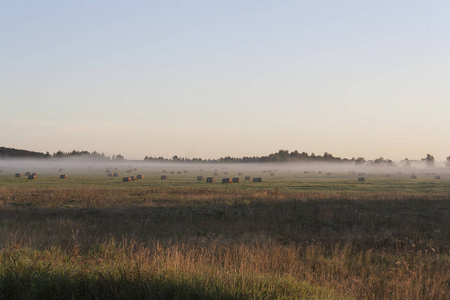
(277, 157)
(19, 153)
(280, 156)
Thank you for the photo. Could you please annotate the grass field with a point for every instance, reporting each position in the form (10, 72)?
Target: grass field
(293, 236)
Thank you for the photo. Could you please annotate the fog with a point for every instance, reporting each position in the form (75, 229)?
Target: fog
(86, 166)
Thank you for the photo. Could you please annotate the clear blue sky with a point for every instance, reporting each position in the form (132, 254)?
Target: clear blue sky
(215, 78)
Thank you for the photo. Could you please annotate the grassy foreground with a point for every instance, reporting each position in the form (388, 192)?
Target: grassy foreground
(221, 243)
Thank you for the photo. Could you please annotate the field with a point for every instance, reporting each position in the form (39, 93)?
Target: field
(295, 235)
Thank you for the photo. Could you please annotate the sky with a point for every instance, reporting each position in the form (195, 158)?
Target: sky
(216, 78)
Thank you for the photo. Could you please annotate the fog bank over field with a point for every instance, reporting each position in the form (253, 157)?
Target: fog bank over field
(87, 165)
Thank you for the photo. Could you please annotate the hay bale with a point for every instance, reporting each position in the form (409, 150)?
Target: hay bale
(18, 175)
(210, 179)
(257, 179)
(62, 176)
(361, 179)
(199, 178)
(115, 174)
(164, 177)
(227, 180)
(437, 177)
(248, 178)
(126, 179)
(236, 180)
(32, 177)
(140, 176)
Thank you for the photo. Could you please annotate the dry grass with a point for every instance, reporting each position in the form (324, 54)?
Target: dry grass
(223, 243)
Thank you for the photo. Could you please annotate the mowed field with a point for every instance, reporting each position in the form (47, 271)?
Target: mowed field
(295, 235)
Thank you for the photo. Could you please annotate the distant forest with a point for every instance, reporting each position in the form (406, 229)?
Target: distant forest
(280, 156)
(16, 153)
(11, 152)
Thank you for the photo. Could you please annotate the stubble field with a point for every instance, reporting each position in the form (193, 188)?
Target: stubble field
(295, 235)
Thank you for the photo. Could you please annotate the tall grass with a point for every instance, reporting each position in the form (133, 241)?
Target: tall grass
(190, 243)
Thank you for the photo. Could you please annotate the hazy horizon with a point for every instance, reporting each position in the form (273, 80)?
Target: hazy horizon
(80, 165)
(88, 156)
(236, 78)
